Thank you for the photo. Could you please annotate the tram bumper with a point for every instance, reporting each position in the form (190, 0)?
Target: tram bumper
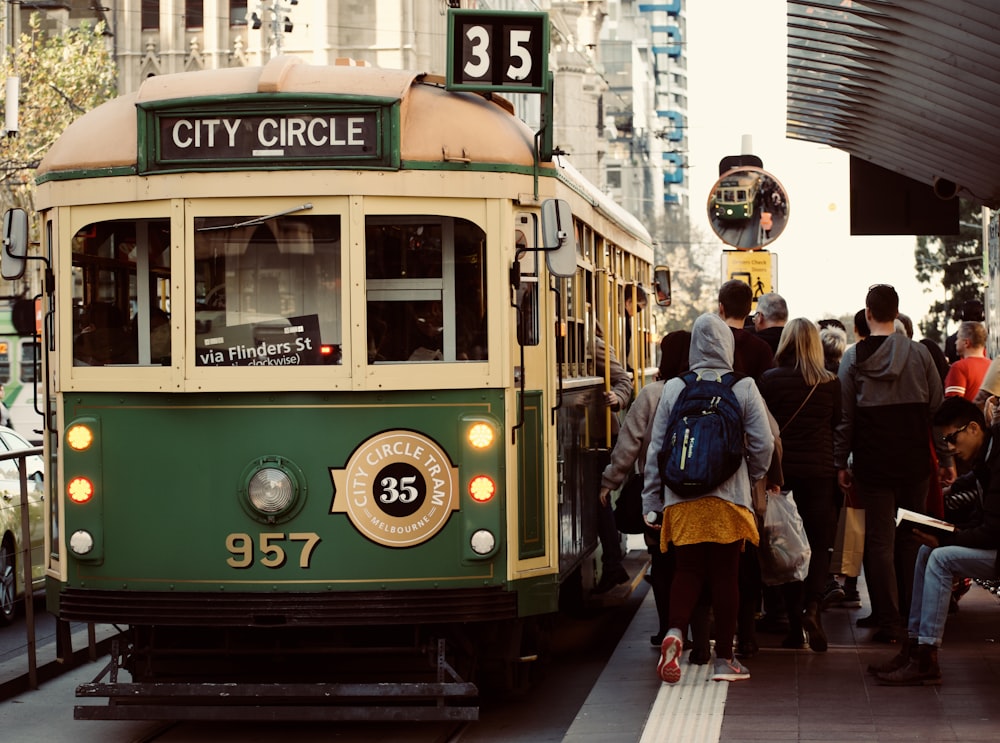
(448, 698)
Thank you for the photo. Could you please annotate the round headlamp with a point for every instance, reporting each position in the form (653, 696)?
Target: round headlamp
(273, 489)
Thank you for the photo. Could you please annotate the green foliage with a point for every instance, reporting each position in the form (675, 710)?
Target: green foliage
(62, 77)
(955, 264)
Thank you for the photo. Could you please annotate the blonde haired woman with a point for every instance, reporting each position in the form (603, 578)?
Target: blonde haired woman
(804, 397)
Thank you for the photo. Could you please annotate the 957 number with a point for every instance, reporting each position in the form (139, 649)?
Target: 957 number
(242, 548)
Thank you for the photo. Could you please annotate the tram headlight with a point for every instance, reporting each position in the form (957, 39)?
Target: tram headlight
(273, 489)
(482, 541)
(81, 542)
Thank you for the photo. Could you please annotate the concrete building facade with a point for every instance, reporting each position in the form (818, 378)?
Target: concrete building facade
(617, 65)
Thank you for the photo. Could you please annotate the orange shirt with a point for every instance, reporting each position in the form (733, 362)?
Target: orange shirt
(965, 376)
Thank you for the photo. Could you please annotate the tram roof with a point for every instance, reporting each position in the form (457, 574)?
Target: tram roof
(434, 124)
(912, 86)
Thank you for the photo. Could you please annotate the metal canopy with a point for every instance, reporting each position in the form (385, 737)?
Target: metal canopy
(910, 85)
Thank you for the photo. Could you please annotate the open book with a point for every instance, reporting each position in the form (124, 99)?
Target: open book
(922, 521)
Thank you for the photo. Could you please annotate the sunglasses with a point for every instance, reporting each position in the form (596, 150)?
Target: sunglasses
(951, 438)
(881, 286)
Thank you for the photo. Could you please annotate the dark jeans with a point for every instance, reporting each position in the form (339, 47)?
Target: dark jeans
(716, 565)
(890, 554)
(750, 587)
(816, 499)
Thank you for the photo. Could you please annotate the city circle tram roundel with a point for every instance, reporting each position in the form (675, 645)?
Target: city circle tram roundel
(398, 488)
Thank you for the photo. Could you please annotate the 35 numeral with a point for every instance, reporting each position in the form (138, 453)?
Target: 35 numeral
(519, 48)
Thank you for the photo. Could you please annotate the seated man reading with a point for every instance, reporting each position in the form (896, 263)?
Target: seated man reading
(969, 552)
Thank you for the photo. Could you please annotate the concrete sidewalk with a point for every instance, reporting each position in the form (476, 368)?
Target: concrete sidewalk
(800, 695)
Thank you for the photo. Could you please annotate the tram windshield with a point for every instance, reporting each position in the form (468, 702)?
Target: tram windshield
(121, 293)
(267, 293)
(426, 289)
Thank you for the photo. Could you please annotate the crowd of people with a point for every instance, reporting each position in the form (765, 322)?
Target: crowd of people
(883, 423)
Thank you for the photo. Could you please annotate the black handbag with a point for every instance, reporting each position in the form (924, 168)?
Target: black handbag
(628, 507)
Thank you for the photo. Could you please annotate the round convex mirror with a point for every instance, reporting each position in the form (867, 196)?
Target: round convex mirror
(748, 208)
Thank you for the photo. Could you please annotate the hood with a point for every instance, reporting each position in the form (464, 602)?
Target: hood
(712, 344)
(887, 359)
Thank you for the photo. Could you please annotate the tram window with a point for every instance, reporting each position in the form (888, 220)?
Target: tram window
(29, 352)
(527, 301)
(426, 289)
(121, 293)
(268, 294)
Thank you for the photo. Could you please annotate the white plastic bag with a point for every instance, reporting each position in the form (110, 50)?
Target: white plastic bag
(784, 547)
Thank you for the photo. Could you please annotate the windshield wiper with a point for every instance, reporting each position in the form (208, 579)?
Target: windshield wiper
(257, 220)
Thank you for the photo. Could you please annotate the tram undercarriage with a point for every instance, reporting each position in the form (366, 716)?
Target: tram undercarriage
(374, 672)
(441, 695)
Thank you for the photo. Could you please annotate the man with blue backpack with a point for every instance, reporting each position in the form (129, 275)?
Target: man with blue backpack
(711, 437)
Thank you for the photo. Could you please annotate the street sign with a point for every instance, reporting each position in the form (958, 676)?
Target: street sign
(499, 51)
(758, 268)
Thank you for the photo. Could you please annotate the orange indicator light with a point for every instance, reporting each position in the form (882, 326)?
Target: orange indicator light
(481, 435)
(79, 437)
(482, 488)
(80, 490)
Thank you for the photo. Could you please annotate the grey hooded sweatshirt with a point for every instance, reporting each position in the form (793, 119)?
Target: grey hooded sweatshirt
(890, 388)
(711, 353)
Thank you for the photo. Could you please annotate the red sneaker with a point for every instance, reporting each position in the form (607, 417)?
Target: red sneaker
(669, 667)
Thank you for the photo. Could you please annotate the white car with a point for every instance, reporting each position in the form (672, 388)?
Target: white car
(11, 574)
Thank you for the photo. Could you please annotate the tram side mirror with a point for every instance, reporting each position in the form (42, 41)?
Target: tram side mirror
(661, 284)
(747, 208)
(15, 244)
(558, 238)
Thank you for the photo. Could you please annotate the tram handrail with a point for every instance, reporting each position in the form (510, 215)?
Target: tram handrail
(21, 456)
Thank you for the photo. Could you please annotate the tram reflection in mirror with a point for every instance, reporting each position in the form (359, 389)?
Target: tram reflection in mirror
(661, 283)
(748, 208)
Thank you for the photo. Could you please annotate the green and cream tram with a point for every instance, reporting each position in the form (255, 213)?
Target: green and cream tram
(322, 388)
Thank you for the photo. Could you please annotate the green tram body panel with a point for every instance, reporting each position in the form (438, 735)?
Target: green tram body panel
(170, 472)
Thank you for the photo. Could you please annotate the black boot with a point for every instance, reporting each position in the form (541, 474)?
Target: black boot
(921, 670)
(814, 626)
(907, 650)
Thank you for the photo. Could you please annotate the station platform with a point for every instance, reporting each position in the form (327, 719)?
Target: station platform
(801, 695)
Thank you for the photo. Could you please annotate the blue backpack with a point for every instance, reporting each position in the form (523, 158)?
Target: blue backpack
(703, 446)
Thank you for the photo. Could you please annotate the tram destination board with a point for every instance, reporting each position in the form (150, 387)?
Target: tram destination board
(306, 134)
(498, 51)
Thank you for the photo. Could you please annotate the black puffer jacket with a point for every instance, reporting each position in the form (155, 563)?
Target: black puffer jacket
(986, 534)
(807, 443)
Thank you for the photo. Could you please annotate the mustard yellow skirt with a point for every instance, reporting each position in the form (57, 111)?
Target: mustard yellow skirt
(707, 519)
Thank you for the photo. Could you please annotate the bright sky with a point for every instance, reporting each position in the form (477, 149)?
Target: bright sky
(736, 54)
